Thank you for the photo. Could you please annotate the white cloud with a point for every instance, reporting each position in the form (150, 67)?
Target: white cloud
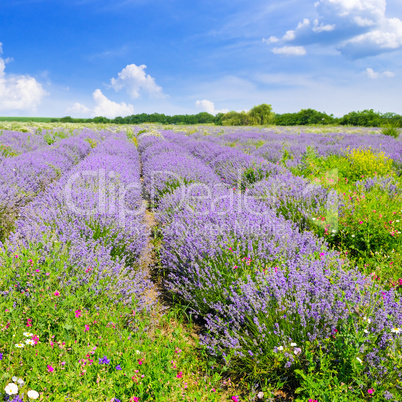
(271, 39)
(290, 50)
(79, 109)
(106, 107)
(374, 75)
(18, 92)
(209, 107)
(317, 27)
(135, 81)
(358, 28)
(102, 107)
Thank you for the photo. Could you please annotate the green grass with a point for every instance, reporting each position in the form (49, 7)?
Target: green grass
(158, 353)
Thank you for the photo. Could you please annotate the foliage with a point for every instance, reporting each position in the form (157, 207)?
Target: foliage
(76, 343)
(303, 118)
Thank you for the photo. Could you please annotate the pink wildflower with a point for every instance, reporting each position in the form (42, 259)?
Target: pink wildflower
(50, 368)
(370, 391)
(86, 327)
(77, 313)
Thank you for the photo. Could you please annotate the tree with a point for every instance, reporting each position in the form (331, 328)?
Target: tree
(261, 115)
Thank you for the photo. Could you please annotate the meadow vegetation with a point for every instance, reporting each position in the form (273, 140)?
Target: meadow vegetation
(263, 265)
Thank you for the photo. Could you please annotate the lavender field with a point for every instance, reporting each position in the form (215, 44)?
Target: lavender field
(200, 264)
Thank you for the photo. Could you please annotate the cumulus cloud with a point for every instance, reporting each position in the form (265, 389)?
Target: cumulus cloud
(357, 28)
(79, 109)
(290, 50)
(103, 106)
(135, 81)
(18, 92)
(209, 107)
(374, 75)
(106, 107)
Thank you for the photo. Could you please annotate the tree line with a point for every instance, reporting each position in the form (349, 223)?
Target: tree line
(258, 115)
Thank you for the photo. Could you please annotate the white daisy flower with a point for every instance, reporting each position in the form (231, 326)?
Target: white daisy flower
(19, 345)
(27, 334)
(11, 389)
(396, 330)
(280, 348)
(29, 342)
(33, 394)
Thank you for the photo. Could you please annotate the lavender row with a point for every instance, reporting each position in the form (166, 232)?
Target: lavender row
(258, 282)
(233, 166)
(13, 143)
(25, 176)
(96, 211)
(168, 166)
(272, 145)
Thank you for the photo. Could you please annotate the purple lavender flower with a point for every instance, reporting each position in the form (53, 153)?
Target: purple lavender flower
(104, 360)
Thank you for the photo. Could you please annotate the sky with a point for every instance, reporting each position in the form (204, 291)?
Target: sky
(86, 58)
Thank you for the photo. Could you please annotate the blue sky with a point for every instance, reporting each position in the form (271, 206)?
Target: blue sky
(98, 57)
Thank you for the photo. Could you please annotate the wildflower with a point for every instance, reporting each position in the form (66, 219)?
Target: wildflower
(370, 391)
(11, 389)
(20, 381)
(367, 319)
(134, 399)
(260, 395)
(115, 400)
(104, 360)
(33, 394)
(180, 375)
(297, 351)
(280, 348)
(56, 293)
(293, 344)
(77, 313)
(27, 334)
(118, 367)
(1, 356)
(29, 342)
(50, 368)
(235, 398)
(396, 330)
(86, 327)
(138, 352)
(19, 345)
